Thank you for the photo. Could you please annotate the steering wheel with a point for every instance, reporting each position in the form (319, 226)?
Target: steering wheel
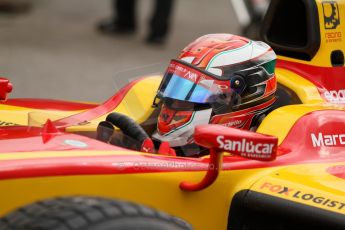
(129, 128)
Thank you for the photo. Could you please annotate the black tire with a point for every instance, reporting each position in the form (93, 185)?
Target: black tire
(89, 213)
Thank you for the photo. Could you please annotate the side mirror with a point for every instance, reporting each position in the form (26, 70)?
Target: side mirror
(5, 88)
(239, 142)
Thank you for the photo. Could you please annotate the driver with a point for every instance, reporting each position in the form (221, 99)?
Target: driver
(217, 79)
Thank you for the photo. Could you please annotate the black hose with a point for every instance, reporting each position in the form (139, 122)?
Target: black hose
(128, 126)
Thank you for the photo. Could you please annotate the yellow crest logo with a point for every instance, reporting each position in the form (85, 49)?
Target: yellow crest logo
(330, 14)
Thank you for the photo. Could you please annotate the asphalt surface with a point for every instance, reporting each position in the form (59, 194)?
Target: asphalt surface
(54, 51)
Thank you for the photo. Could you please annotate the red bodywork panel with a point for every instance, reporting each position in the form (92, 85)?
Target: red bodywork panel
(324, 78)
(48, 104)
(33, 139)
(296, 148)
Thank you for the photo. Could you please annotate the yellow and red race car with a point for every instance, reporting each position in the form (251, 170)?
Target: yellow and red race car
(54, 174)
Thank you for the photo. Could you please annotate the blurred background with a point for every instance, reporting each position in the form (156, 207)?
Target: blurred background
(52, 48)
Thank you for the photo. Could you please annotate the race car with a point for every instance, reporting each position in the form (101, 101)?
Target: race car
(56, 174)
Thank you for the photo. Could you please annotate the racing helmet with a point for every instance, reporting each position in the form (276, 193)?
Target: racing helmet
(219, 79)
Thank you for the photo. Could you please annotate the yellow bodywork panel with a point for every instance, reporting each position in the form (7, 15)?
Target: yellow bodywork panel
(136, 104)
(308, 184)
(304, 89)
(279, 122)
(205, 210)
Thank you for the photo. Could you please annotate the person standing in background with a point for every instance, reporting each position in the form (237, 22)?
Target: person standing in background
(123, 20)
(14, 6)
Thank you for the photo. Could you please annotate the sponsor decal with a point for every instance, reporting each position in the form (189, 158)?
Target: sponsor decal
(275, 188)
(185, 72)
(242, 121)
(330, 14)
(6, 123)
(338, 171)
(333, 37)
(335, 96)
(304, 197)
(320, 139)
(222, 87)
(331, 21)
(234, 123)
(191, 76)
(261, 150)
(75, 143)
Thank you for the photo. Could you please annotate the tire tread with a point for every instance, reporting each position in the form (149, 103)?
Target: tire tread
(72, 213)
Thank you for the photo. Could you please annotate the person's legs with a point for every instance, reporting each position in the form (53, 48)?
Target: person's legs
(160, 21)
(123, 20)
(15, 6)
(125, 15)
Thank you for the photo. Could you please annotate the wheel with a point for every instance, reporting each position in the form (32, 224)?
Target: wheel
(89, 213)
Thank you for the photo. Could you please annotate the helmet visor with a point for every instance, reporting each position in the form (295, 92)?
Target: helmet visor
(187, 83)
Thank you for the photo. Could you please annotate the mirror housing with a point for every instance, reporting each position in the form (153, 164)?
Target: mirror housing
(239, 142)
(219, 139)
(5, 88)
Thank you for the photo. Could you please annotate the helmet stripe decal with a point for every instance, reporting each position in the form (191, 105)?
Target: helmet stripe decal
(235, 60)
